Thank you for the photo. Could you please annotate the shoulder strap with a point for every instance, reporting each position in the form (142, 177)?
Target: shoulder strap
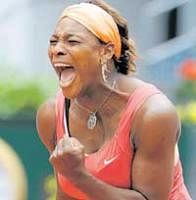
(66, 116)
(135, 102)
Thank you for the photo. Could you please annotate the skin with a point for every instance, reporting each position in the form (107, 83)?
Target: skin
(155, 126)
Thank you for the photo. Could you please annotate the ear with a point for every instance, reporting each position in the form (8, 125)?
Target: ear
(108, 51)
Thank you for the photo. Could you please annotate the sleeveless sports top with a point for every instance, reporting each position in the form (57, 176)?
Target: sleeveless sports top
(112, 163)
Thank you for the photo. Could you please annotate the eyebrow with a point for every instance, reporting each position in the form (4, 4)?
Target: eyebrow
(53, 35)
(68, 36)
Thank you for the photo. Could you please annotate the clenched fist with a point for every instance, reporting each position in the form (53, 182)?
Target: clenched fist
(68, 157)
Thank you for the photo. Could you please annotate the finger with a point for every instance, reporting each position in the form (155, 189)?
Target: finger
(52, 157)
(76, 142)
(64, 145)
(67, 142)
(66, 135)
(54, 152)
(61, 148)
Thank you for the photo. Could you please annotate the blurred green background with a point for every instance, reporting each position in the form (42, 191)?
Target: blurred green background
(19, 100)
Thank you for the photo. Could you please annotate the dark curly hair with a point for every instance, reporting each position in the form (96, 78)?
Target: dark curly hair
(126, 62)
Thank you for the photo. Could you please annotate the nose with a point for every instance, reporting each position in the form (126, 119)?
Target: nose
(59, 49)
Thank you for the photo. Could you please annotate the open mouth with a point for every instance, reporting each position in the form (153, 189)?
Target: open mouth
(66, 74)
(60, 67)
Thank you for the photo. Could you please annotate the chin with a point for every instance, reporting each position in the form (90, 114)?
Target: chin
(70, 93)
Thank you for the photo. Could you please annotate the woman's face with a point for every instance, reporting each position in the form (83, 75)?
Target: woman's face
(75, 55)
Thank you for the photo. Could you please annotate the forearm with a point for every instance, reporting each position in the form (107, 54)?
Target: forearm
(63, 197)
(60, 195)
(96, 189)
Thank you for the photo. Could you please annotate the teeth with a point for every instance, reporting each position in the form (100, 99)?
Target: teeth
(61, 65)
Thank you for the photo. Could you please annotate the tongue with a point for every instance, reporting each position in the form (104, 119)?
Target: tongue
(67, 75)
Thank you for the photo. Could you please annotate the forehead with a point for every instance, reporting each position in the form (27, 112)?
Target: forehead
(69, 26)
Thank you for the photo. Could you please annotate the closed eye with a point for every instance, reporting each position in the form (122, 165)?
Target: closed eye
(53, 42)
(74, 42)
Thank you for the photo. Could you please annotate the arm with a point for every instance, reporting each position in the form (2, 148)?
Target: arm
(46, 127)
(60, 195)
(45, 124)
(156, 132)
(155, 141)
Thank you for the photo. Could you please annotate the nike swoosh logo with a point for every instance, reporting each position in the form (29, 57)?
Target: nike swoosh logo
(108, 161)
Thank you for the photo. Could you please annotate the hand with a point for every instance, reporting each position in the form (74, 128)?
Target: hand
(68, 157)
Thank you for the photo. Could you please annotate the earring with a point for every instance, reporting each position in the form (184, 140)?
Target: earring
(105, 71)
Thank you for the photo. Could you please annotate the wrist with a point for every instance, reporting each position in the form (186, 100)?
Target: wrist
(77, 176)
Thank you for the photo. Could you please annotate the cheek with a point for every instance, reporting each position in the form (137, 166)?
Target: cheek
(87, 58)
(50, 53)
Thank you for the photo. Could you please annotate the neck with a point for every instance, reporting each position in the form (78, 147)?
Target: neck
(93, 97)
(97, 97)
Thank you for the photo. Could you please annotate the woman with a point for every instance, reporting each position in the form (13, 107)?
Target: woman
(110, 136)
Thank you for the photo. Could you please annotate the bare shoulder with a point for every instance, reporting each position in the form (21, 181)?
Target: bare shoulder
(157, 119)
(128, 83)
(157, 111)
(156, 108)
(159, 107)
(45, 123)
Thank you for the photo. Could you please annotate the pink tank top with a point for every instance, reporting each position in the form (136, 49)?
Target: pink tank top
(113, 162)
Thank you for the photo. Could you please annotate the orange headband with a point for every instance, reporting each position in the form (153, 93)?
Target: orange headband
(96, 20)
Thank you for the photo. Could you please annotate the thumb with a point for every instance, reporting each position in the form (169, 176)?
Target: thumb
(66, 135)
(53, 156)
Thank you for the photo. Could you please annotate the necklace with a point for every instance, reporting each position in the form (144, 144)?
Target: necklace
(92, 118)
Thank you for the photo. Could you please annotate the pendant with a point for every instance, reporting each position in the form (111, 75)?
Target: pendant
(92, 121)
